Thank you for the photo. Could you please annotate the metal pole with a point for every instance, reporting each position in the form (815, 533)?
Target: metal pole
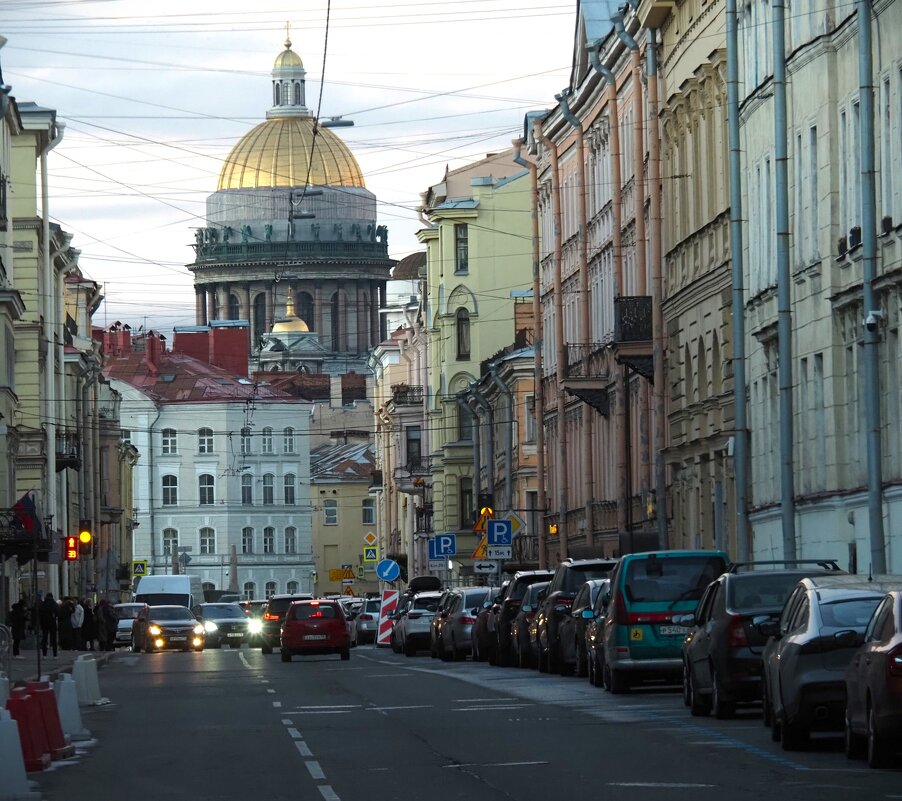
(784, 284)
(872, 312)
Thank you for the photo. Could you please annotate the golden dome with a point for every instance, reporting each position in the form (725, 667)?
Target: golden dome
(276, 153)
(288, 58)
(290, 323)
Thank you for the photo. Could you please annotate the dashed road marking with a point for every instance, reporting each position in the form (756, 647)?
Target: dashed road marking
(293, 732)
(244, 661)
(328, 793)
(392, 708)
(287, 721)
(276, 704)
(303, 748)
(270, 690)
(315, 770)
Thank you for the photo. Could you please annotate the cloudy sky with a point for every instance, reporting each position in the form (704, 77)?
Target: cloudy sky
(154, 95)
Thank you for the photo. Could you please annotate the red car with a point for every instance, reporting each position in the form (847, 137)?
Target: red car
(315, 627)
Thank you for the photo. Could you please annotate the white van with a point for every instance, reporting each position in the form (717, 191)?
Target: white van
(173, 590)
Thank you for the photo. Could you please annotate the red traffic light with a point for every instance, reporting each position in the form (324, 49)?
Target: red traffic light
(70, 549)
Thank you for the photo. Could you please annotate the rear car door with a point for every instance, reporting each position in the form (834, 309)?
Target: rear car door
(859, 672)
(699, 639)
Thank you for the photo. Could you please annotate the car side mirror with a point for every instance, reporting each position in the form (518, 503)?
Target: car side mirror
(486, 604)
(766, 626)
(474, 611)
(588, 614)
(848, 638)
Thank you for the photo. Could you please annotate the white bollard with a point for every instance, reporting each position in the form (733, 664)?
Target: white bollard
(4, 688)
(84, 671)
(67, 704)
(15, 785)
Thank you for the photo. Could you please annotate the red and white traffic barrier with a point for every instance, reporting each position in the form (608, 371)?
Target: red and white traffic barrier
(388, 605)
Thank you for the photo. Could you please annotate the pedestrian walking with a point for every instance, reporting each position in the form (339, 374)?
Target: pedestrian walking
(111, 623)
(17, 620)
(89, 627)
(76, 621)
(48, 617)
(66, 635)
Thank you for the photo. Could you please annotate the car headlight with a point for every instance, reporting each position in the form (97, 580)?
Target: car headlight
(199, 629)
(156, 631)
(210, 626)
(255, 625)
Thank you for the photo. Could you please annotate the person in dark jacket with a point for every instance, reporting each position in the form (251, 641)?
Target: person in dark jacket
(111, 620)
(66, 632)
(48, 615)
(89, 627)
(17, 620)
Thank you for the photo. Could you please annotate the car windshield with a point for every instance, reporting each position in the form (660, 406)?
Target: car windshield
(851, 613)
(579, 575)
(222, 611)
(311, 611)
(278, 606)
(163, 598)
(127, 612)
(424, 604)
(533, 595)
(170, 613)
(373, 606)
(475, 597)
(671, 579)
(759, 590)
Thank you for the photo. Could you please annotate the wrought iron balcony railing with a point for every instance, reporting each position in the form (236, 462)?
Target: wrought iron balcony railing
(579, 355)
(404, 395)
(632, 319)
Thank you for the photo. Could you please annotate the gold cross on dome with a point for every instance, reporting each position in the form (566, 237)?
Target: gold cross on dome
(287, 35)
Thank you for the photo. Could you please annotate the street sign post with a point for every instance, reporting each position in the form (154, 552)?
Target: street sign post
(484, 567)
(498, 552)
(499, 532)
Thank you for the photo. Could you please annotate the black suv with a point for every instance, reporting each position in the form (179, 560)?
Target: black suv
(570, 575)
(272, 619)
(507, 611)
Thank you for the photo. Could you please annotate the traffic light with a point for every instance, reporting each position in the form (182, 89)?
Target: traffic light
(85, 538)
(70, 548)
(486, 504)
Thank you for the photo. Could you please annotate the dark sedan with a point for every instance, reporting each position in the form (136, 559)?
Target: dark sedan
(161, 628)
(223, 624)
(521, 653)
(573, 628)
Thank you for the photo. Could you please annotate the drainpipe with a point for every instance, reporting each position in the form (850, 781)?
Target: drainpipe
(740, 433)
(657, 292)
(784, 283)
(558, 336)
(539, 390)
(869, 274)
(477, 445)
(621, 410)
(480, 401)
(508, 440)
(588, 420)
(151, 484)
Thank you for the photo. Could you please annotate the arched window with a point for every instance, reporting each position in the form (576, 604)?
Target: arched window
(247, 540)
(205, 440)
(206, 490)
(464, 423)
(270, 589)
(170, 441)
(170, 490)
(170, 541)
(277, 94)
(247, 490)
(304, 308)
(336, 322)
(292, 587)
(207, 540)
(297, 93)
(288, 487)
(259, 318)
(234, 308)
(266, 440)
(288, 440)
(291, 540)
(463, 334)
(250, 589)
(268, 489)
(269, 540)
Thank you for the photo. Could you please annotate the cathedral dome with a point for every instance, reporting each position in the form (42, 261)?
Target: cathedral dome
(288, 58)
(278, 152)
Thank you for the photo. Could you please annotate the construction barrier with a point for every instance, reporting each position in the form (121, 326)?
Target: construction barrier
(84, 671)
(24, 710)
(4, 689)
(388, 605)
(69, 711)
(15, 785)
(45, 697)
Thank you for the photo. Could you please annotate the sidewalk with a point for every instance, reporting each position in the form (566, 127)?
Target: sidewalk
(26, 669)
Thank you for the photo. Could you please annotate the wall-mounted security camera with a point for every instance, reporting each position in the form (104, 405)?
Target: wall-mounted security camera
(872, 319)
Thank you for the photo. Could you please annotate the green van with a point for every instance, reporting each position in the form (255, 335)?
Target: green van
(641, 640)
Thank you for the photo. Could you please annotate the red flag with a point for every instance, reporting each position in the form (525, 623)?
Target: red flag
(27, 514)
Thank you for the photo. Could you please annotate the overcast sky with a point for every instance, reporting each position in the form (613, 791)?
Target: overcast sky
(154, 95)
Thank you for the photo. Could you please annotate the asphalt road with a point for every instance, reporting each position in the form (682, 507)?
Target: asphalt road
(236, 725)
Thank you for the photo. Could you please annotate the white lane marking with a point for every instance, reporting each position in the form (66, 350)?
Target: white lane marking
(303, 748)
(493, 764)
(662, 785)
(320, 712)
(264, 681)
(294, 732)
(276, 704)
(328, 794)
(331, 706)
(287, 721)
(482, 700)
(316, 771)
(490, 708)
(344, 669)
(270, 690)
(391, 708)
(388, 676)
(244, 661)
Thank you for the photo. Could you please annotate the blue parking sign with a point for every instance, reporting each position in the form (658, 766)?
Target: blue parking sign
(441, 546)
(499, 532)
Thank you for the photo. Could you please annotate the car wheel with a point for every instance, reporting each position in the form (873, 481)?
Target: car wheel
(395, 645)
(501, 659)
(409, 650)
(792, 736)
(606, 677)
(135, 647)
(855, 743)
(433, 651)
(345, 654)
(456, 655)
(767, 711)
(878, 752)
(555, 663)
(592, 670)
(687, 693)
(699, 706)
(443, 652)
(620, 682)
(582, 661)
(286, 655)
(266, 649)
(542, 661)
(722, 709)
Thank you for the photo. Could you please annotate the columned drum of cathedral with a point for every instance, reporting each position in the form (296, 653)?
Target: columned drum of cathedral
(291, 244)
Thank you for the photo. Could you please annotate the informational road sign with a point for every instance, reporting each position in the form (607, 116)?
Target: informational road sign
(370, 554)
(518, 524)
(442, 546)
(499, 532)
(437, 564)
(336, 574)
(484, 567)
(139, 567)
(388, 570)
(184, 559)
(498, 552)
(388, 605)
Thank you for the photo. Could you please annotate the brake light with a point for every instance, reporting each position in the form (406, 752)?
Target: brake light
(314, 603)
(366, 617)
(618, 610)
(270, 616)
(468, 620)
(737, 635)
(894, 662)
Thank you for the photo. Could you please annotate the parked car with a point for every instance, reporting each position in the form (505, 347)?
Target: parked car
(413, 623)
(161, 628)
(483, 635)
(521, 654)
(455, 631)
(314, 627)
(874, 687)
(594, 633)
(269, 636)
(366, 624)
(722, 652)
(572, 633)
(641, 639)
(351, 608)
(810, 647)
(126, 613)
(223, 623)
(570, 575)
(437, 620)
(508, 608)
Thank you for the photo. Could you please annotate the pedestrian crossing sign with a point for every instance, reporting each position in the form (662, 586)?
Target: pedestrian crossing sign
(139, 567)
(370, 554)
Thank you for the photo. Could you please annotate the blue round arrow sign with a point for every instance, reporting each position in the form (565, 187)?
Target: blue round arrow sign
(388, 570)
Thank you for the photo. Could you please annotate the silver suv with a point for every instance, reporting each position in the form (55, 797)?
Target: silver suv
(413, 625)
(366, 624)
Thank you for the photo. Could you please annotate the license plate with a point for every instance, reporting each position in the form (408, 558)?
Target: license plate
(673, 630)
(177, 639)
(316, 637)
(236, 634)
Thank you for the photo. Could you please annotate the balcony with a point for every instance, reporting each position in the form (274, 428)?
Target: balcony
(413, 476)
(633, 334)
(67, 450)
(424, 523)
(404, 395)
(586, 375)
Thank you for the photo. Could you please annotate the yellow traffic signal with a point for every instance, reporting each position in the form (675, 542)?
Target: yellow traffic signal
(85, 538)
(552, 529)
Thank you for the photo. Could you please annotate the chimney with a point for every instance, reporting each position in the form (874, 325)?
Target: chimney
(229, 345)
(193, 341)
(154, 350)
(335, 392)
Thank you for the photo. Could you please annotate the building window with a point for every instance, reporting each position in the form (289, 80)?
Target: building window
(206, 490)
(277, 97)
(466, 502)
(266, 440)
(530, 418)
(463, 334)
(369, 512)
(170, 491)
(170, 441)
(297, 93)
(288, 440)
(414, 449)
(245, 440)
(292, 587)
(268, 494)
(247, 490)
(205, 440)
(207, 541)
(250, 590)
(291, 540)
(289, 489)
(247, 540)
(270, 589)
(330, 513)
(234, 308)
(464, 423)
(304, 308)
(126, 436)
(461, 248)
(269, 540)
(170, 541)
